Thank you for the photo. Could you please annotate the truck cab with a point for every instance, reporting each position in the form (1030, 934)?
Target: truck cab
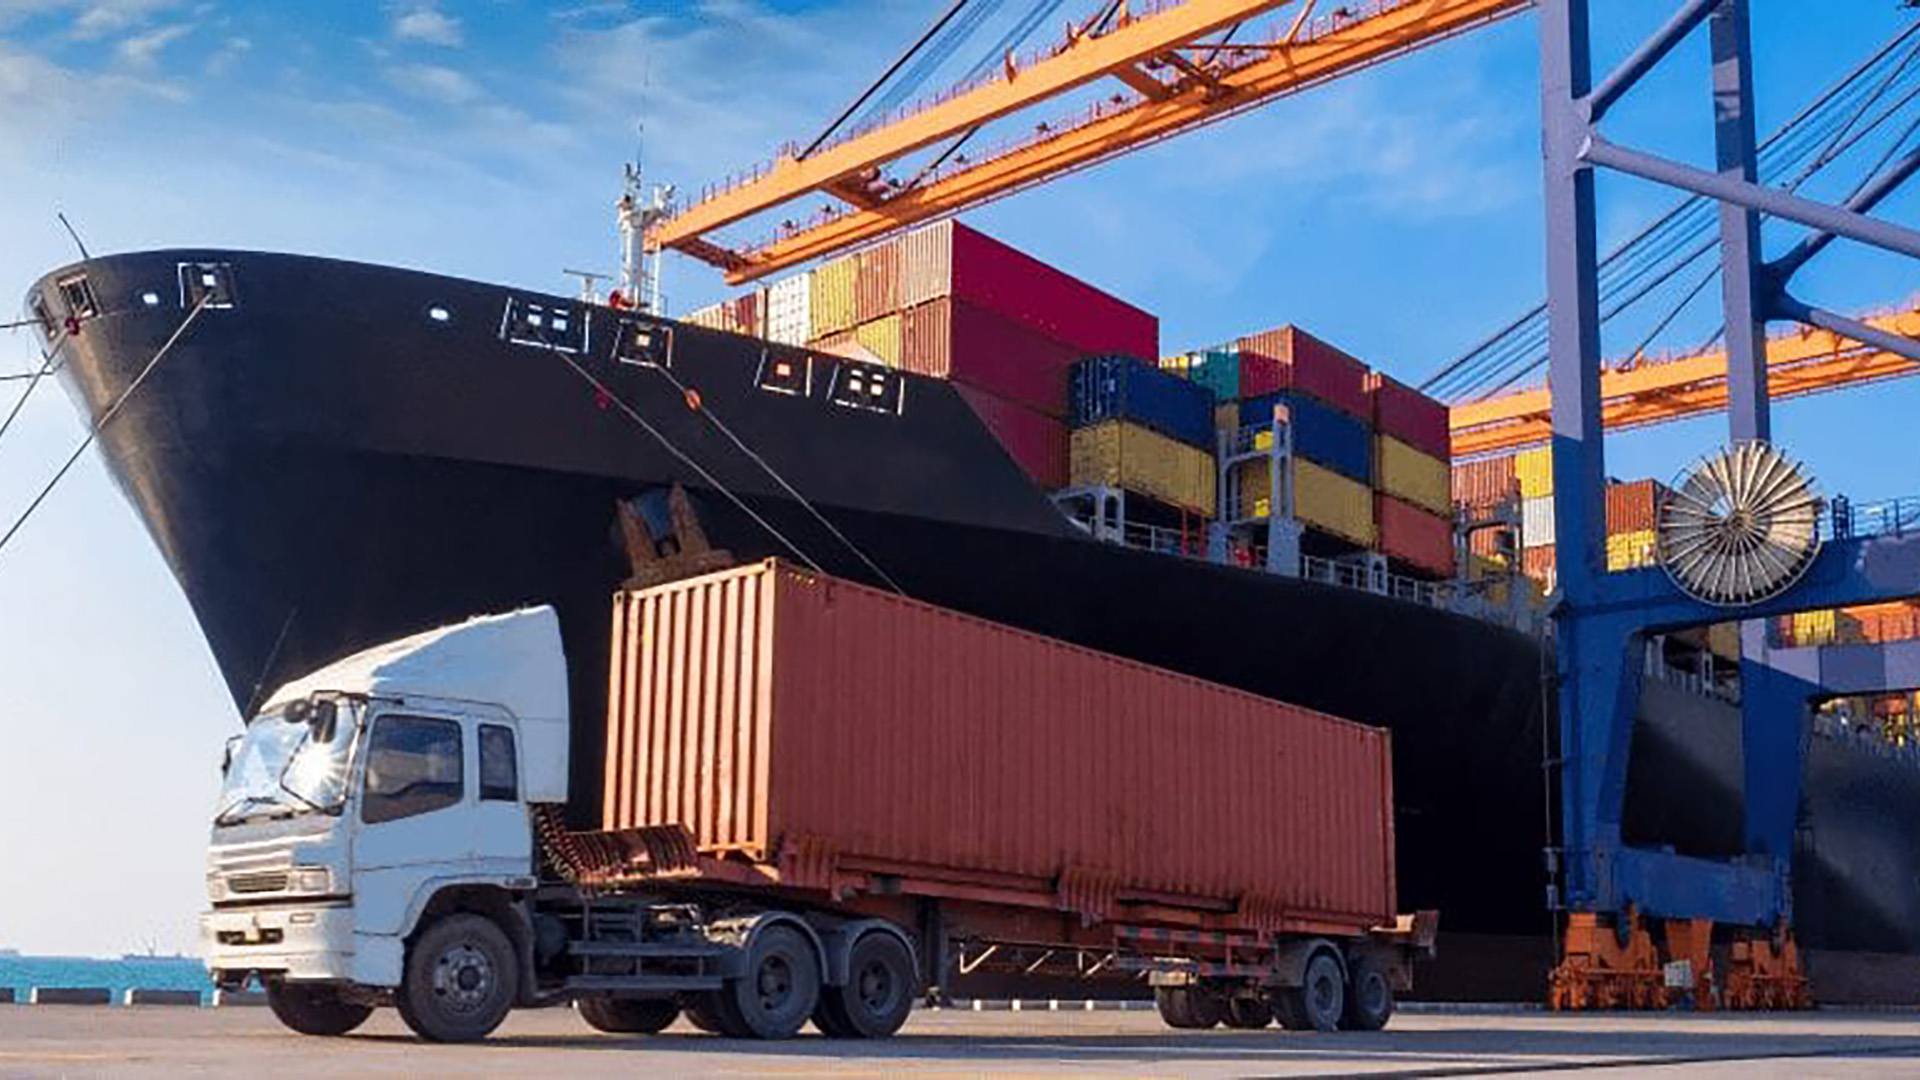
(377, 800)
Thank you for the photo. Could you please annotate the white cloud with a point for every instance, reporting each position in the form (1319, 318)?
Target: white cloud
(104, 18)
(428, 26)
(230, 51)
(143, 50)
(434, 83)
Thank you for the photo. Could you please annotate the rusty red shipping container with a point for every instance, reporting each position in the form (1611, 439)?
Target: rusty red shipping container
(950, 260)
(1538, 562)
(952, 339)
(789, 719)
(1635, 506)
(1414, 536)
(1487, 482)
(876, 282)
(1261, 375)
(1409, 415)
(1037, 442)
(1314, 367)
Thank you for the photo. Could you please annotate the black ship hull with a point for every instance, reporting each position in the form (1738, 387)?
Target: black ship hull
(335, 454)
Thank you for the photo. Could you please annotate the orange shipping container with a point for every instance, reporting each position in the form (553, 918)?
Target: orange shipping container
(1634, 507)
(785, 717)
(1487, 482)
(1414, 536)
(876, 282)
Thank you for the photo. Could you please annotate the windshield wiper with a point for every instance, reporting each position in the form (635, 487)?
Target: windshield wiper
(236, 814)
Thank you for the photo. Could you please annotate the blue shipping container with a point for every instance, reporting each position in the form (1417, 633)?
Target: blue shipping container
(1122, 388)
(1322, 434)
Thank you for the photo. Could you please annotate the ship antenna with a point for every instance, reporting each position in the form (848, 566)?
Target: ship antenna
(640, 209)
(68, 225)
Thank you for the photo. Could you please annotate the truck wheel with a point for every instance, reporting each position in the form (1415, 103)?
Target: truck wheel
(1317, 1003)
(878, 995)
(628, 1016)
(1248, 1014)
(461, 980)
(779, 988)
(314, 1010)
(703, 1010)
(1369, 998)
(1188, 1007)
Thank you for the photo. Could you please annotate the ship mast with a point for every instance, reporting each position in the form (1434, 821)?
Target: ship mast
(640, 209)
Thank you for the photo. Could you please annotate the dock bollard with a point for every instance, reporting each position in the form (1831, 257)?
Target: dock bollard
(161, 997)
(70, 995)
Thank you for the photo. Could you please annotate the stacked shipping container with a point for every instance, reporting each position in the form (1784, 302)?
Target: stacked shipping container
(1143, 430)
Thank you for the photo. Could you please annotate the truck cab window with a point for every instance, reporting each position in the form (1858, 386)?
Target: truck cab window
(499, 767)
(414, 766)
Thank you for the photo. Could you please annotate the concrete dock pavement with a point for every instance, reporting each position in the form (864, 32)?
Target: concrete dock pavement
(48, 1041)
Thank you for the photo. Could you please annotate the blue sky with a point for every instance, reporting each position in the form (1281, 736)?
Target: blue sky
(1396, 213)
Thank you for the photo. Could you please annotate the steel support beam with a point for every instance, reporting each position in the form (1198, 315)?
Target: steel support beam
(1768, 200)
(1782, 269)
(1741, 275)
(1864, 333)
(1647, 56)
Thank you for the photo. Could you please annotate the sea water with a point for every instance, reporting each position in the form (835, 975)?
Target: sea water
(23, 973)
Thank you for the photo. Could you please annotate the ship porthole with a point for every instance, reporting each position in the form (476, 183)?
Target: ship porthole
(151, 299)
(439, 314)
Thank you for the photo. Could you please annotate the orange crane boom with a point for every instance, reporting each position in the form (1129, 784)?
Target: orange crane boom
(1800, 361)
(1161, 91)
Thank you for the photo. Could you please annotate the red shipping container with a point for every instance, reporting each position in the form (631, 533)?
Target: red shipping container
(1410, 416)
(1314, 367)
(1414, 536)
(1486, 482)
(794, 720)
(950, 339)
(1635, 506)
(1037, 442)
(876, 282)
(1261, 375)
(948, 259)
(1538, 563)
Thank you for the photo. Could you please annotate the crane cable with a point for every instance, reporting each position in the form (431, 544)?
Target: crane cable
(714, 419)
(938, 24)
(107, 417)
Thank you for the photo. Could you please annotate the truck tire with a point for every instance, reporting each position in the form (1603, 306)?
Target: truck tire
(879, 993)
(1318, 1002)
(703, 1011)
(779, 989)
(1248, 1013)
(1369, 998)
(628, 1016)
(461, 980)
(314, 1010)
(1188, 1008)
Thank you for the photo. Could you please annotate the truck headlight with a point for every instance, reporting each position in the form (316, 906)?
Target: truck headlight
(216, 887)
(310, 879)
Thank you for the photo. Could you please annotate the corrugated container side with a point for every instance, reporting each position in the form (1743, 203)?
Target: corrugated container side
(832, 302)
(1634, 507)
(1323, 435)
(1538, 563)
(1414, 536)
(789, 310)
(1133, 458)
(713, 317)
(1407, 473)
(1261, 375)
(926, 264)
(1122, 388)
(1535, 470)
(1410, 416)
(950, 339)
(846, 343)
(1000, 278)
(1036, 442)
(881, 338)
(1314, 367)
(741, 698)
(1486, 542)
(1216, 369)
(1536, 521)
(1484, 483)
(876, 282)
(1630, 550)
(1325, 500)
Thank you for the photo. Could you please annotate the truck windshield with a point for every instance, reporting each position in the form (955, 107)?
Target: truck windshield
(287, 765)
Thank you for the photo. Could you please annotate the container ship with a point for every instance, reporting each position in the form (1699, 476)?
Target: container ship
(331, 454)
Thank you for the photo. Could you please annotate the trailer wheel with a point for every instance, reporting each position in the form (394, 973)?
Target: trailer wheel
(1369, 998)
(461, 980)
(779, 989)
(1248, 1014)
(878, 995)
(314, 1010)
(1317, 1003)
(628, 1016)
(1188, 1007)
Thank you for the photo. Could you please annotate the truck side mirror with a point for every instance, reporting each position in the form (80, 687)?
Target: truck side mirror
(226, 756)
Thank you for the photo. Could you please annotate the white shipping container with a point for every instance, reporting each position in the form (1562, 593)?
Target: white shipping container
(789, 309)
(1536, 521)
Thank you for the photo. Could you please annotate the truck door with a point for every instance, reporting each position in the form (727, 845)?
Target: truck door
(502, 835)
(416, 814)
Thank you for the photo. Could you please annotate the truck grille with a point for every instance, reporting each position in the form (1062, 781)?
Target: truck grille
(265, 881)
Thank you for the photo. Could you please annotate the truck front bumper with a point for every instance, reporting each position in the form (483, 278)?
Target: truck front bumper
(293, 941)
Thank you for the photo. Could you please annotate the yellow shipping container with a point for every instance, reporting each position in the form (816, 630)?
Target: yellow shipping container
(881, 338)
(1411, 476)
(1325, 500)
(1176, 365)
(1133, 458)
(1535, 470)
(831, 306)
(1814, 628)
(1630, 550)
(1723, 640)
